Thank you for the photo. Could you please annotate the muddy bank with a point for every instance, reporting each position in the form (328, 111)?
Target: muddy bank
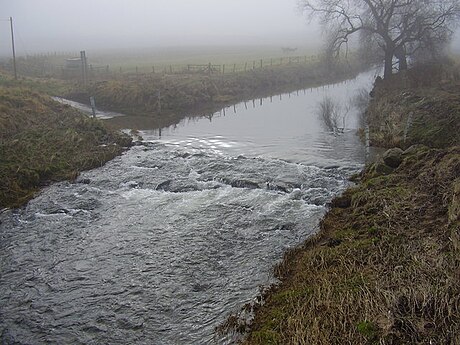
(42, 141)
(384, 267)
(166, 99)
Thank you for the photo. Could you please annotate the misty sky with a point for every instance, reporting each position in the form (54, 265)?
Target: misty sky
(56, 25)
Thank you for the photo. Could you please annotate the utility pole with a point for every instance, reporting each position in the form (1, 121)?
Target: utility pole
(14, 52)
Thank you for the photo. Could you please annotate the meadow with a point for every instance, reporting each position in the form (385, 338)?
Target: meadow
(164, 59)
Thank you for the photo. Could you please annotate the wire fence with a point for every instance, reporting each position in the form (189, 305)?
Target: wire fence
(66, 66)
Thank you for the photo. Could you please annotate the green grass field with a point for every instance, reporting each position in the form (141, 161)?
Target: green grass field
(163, 58)
(166, 59)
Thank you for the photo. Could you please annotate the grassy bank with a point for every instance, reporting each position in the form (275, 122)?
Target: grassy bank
(384, 269)
(421, 106)
(43, 141)
(166, 99)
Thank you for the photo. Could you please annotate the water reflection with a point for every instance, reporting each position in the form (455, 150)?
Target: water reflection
(283, 127)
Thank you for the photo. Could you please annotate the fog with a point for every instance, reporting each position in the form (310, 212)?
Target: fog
(58, 25)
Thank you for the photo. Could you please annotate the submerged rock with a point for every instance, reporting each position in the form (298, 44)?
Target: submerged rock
(240, 183)
(164, 185)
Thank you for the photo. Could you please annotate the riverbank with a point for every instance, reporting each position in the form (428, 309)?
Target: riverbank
(384, 268)
(42, 141)
(164, 100)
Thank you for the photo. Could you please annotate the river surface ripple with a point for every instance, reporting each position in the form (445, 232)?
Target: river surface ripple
(162, 243)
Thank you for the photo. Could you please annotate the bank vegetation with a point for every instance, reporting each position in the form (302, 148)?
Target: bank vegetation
(42, 141)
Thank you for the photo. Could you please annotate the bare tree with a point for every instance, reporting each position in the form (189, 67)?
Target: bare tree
(398, 27)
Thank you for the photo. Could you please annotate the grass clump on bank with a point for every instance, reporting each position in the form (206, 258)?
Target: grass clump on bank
(43, 141)
(384, 269)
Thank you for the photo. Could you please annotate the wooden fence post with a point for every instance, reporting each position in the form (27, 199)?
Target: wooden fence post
(234, 68)
(209, 68)
(223, 69)
(159, 101)
(84, 67)
(261, 63)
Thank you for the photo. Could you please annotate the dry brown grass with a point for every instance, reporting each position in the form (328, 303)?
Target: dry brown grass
(383, 269)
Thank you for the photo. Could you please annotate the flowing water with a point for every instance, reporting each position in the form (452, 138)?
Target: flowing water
(161, 244)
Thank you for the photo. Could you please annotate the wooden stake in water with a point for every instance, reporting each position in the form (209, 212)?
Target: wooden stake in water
(93, 105)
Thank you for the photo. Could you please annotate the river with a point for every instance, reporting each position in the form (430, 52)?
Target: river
(161, 244)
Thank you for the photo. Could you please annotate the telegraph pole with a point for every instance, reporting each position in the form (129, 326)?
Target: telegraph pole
(14, 52)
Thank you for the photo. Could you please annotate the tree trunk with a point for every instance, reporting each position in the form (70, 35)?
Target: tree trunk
(403, 63)
(388, 71)
(400, 54)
